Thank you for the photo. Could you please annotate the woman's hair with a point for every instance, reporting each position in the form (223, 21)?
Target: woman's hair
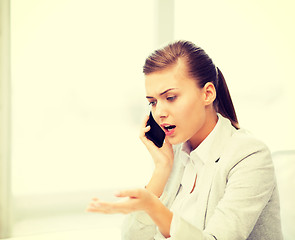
(200, 67)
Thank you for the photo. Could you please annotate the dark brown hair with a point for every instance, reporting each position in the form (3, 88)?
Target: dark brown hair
(200, 67)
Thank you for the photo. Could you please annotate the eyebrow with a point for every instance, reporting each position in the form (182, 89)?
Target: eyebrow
(148, 97)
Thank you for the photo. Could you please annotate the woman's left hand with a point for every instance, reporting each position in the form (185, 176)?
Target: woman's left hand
(137, 200)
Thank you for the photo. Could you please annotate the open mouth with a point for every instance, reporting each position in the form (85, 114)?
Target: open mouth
(169, 128)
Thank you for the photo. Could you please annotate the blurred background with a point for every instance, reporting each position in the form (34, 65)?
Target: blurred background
(76, 95)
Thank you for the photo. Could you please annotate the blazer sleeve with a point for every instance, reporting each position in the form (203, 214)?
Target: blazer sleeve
(138, 225)
(249, 184)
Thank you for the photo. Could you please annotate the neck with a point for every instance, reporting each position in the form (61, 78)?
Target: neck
(209, 124)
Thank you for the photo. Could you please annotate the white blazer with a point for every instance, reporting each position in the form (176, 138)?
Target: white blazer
(238, 196)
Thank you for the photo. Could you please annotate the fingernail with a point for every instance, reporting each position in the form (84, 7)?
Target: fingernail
(118, 194)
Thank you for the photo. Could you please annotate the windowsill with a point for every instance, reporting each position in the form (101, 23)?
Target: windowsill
(100, 233)
(62, 215)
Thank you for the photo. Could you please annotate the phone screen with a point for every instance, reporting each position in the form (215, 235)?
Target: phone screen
(156, 134)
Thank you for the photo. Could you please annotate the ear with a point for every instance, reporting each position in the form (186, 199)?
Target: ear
(209, 93)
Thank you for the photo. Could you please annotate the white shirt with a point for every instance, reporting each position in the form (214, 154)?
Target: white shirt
(185, 202)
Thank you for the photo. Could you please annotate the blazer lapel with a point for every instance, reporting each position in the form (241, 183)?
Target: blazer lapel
(210, 167)
(175, 185)
(205, 183)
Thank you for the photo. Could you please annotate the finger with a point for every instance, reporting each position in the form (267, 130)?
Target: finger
(131, 193)
(144, 122)
(98, 207)
(144, 138)
(93, 201)
(111, 208)
(144, 128)
(91, 207)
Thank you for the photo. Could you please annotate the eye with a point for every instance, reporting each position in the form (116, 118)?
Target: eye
(171, 99)
(152, 103)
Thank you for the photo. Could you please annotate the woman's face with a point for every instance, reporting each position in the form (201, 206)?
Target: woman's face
(178, 105)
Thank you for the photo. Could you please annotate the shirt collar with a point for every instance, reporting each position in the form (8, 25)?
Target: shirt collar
(206, 150)
(185, 153)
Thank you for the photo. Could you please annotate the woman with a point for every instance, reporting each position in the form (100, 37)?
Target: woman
(212, 180)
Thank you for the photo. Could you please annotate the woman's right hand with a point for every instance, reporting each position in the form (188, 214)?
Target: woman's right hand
(163, 160)
(162, 156)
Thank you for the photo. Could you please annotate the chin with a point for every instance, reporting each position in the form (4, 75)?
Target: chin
(175, 141)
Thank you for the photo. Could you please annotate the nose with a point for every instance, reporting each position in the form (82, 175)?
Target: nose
(160, 111)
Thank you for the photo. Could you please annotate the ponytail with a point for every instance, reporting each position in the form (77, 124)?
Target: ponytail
(223, 103)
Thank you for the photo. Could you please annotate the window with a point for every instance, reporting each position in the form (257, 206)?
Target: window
(77, 104)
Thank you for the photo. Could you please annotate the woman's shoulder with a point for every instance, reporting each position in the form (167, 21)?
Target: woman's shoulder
(243, 139)
(243, 145)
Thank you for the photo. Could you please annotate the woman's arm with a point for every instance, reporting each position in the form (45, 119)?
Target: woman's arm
(162, 217)
(159, 179)
(147, 199)
(144, 204)
(163, 160)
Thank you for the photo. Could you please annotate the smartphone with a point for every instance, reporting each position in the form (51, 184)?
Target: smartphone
(155, 134)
